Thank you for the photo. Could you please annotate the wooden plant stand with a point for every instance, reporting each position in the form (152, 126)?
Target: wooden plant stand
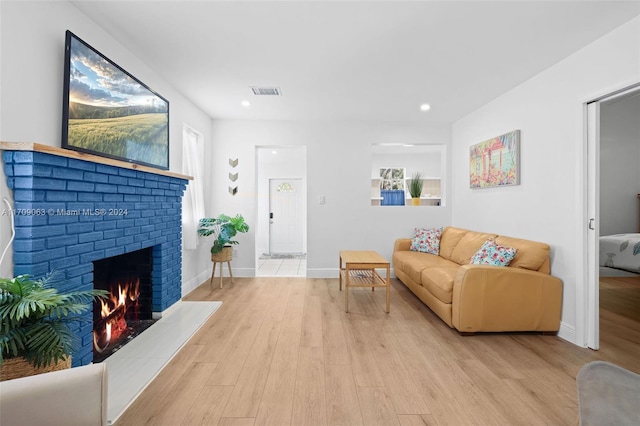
(221, 257)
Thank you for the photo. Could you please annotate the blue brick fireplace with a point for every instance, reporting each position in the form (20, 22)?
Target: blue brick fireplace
(71, 212)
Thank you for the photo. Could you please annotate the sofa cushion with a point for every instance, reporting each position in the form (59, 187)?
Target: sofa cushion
(491, 253)
(531, 254)
(426, 240)
(439, 281)
(450, 238)
(401, 258)
(413, 263)
(468, 246)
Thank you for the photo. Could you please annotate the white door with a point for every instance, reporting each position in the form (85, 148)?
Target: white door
(285, 215)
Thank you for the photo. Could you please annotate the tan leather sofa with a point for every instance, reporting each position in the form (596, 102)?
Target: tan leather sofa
(75, 396)
(475, 298)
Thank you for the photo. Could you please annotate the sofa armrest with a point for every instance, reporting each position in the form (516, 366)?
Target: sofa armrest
(494, 298)
(75, 396)
(402, 244)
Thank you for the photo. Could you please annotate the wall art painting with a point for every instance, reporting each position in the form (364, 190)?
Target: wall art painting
(496, 161)
(392, 178)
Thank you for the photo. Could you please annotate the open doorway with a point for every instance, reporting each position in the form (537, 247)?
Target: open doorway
(281, 220)
(614, 228)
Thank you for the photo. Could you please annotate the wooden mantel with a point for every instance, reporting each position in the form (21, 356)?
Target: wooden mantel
(37, 147)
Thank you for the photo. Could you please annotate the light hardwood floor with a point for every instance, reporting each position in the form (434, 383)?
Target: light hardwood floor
(620, 320)
(282, 351)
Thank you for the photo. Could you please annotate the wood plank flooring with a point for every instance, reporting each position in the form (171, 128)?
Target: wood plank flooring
(282, 351)
(620, 320)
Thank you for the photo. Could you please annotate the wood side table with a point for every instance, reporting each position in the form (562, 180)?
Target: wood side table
(358, 269)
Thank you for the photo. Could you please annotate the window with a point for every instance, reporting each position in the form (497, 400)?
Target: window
(193, 201)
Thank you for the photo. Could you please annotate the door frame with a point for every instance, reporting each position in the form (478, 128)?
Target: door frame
(592, 230)
(587, 296)
(277, 167)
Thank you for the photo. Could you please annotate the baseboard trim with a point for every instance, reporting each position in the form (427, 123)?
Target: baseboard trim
(192, 284)
(239, 272)
(322, 273)
(567, 333)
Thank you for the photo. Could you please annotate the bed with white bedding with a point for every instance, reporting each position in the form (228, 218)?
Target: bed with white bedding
(621, 252)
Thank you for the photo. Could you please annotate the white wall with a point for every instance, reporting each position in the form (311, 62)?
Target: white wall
(31, 76)
(619, 160)
(549, 203)
(339, 168)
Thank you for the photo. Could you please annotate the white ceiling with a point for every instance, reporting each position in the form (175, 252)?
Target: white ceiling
(352, 60)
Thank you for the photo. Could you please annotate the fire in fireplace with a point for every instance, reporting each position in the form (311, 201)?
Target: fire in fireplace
(128, 310)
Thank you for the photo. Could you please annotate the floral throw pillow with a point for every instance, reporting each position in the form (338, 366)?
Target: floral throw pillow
(427, 240)
(493, 254)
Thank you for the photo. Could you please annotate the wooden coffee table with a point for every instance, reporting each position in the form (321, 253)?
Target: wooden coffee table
(358, 269)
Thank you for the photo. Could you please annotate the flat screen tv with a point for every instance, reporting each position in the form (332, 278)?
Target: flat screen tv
(109, 112)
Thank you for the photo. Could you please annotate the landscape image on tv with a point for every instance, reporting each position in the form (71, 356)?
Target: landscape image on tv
(109, 112)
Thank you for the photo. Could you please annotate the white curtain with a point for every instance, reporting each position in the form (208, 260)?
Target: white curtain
(193, 202)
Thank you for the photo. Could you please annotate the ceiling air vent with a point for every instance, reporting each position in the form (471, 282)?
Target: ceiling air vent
(266, 91)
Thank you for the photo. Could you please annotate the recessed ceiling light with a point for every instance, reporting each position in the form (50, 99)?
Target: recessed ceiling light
(274, 152)
(245, 104)
(425, 107)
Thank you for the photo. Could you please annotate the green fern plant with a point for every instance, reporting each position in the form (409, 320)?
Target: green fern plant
(224, 228)
(35, 318)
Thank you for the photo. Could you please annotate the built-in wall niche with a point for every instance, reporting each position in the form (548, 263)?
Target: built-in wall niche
(393, 165)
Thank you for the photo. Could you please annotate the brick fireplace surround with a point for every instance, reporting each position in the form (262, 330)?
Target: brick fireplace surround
(71, 209)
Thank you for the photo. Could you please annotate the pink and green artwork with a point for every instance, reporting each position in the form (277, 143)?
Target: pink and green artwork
(496, 161)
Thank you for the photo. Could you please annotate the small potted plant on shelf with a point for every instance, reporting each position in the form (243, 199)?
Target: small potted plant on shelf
(415, 188)
(224, 228)
(34, 331)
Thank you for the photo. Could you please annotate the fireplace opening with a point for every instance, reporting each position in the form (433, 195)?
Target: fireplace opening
(128, 310)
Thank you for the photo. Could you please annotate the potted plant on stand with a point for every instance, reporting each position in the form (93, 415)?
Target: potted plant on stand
(34, 332)
(415, 188)
(224, 228)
